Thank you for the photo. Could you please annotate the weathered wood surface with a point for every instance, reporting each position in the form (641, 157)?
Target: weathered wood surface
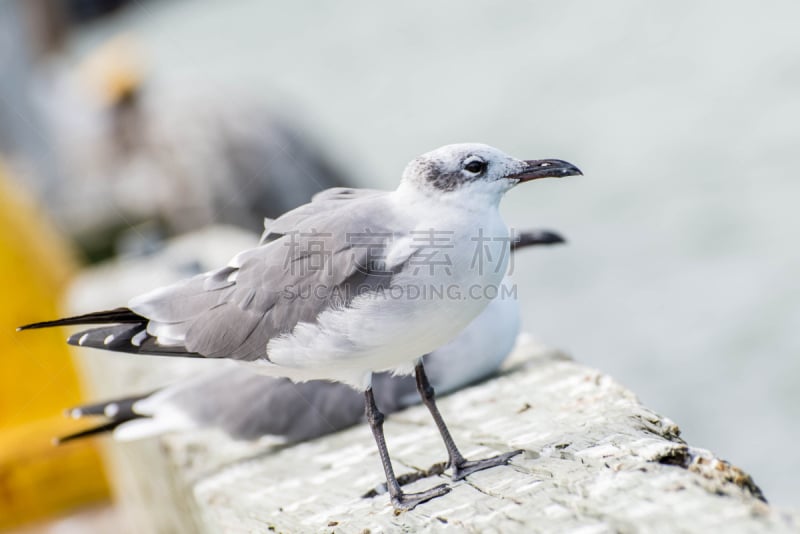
(595, 460)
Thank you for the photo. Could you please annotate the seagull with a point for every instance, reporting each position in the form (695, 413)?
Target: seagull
(355, 282)
(250, 406)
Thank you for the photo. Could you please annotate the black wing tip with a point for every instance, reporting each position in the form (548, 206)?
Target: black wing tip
(118, 334)
(74, 413)
(115, 316)
(118, 409)
(34, 326)
(86, 433)
(74, 339)
(116, 412)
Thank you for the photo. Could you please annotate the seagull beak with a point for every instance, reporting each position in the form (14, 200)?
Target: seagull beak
(545, 168)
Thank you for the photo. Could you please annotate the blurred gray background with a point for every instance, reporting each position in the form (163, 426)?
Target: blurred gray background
(681, 274)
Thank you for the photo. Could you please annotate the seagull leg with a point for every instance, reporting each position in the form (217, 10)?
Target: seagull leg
(461, 466)
(400, 500)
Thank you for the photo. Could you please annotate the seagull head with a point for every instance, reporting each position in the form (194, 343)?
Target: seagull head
(474, 168)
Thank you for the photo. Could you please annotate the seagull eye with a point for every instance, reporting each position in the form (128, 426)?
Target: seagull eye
(475, 166)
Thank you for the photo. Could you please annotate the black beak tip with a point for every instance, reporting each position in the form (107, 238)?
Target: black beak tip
(565, 168)
(548, 168)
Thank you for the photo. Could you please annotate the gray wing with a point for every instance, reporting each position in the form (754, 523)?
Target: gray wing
(324, 201)
(266, 291)
(248, 406)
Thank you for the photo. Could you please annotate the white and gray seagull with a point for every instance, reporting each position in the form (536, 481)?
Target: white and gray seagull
(249, 406)
(353, 283)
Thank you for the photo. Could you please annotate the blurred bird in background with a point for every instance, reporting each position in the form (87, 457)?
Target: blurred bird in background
(154, 164)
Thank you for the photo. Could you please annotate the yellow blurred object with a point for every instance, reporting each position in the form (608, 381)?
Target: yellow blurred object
(114, 71)
(37, 376)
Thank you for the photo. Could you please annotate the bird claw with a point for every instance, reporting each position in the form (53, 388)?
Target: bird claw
(471, 466)
(408, 501)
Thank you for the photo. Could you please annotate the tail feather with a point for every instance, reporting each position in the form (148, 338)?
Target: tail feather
(117, 315)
